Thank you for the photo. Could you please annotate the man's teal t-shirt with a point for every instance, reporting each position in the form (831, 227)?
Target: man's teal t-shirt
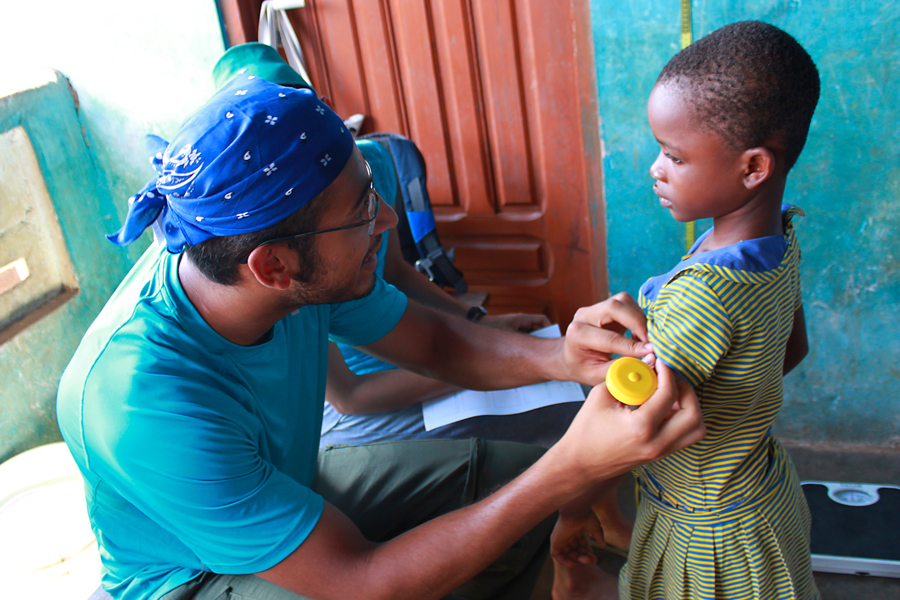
(198, 453)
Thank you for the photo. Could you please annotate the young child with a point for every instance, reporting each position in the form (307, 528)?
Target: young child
(725, 518)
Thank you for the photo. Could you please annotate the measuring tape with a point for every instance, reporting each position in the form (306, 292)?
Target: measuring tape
(690, 229)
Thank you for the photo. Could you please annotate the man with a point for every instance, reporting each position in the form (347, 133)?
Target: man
(193, 404)
(369, 401)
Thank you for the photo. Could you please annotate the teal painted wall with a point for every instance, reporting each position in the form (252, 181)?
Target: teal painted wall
(137, 68)
(847, 180)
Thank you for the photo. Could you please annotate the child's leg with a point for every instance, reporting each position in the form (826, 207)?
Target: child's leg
(575, 578)
(616, 528)
(586, 582)
(576, 575)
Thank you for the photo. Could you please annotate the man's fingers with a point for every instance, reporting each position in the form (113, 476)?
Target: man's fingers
(531, 323)
(660, 403)
(620, 309)
(598, 537)
(685, 427)
(600, 396)
(638, 329)
(605, 342)
(542, 321)
(678, 429)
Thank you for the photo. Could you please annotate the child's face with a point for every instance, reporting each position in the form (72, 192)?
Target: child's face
(697, 174)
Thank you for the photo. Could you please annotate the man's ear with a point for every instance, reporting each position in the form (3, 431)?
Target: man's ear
(269, 265)
(759, 165)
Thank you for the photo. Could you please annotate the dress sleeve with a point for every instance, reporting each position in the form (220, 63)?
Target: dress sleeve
(689, 328)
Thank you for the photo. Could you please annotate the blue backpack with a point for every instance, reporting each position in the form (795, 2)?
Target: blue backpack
(419, 241)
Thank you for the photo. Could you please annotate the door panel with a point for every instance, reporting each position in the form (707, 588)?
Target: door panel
(500, 97)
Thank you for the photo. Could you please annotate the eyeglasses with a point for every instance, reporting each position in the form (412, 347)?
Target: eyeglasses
(371, 204)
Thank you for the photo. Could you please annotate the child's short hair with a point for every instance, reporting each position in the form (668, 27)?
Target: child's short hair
(751, 83)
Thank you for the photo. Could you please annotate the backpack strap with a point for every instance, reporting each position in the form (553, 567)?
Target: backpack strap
(417, 230)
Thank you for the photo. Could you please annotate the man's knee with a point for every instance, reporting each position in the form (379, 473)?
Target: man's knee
(503, 462)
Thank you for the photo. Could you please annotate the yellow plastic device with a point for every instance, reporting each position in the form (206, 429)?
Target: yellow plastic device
(631, 381)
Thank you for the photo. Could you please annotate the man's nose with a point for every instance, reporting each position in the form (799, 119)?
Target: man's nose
(386, 219)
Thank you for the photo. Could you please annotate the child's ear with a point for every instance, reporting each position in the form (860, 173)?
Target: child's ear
(269, 265)
(759, 165)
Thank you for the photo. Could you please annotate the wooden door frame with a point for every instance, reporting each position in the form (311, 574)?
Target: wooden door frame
(241, 21)
(589, 103)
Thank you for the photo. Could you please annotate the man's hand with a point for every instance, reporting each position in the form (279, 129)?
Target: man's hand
(597, 332)
(608, 438)
(521, 322)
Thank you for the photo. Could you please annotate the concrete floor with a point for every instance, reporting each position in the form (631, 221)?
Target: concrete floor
(817, 463)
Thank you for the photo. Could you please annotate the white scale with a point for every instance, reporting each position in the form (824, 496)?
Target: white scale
(855, 528)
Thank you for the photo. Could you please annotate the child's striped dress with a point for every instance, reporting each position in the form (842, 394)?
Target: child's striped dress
(725, 518)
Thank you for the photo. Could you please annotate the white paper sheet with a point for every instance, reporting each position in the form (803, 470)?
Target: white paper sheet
(468, 403)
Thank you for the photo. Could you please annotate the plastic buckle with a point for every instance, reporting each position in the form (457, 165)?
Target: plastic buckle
(423, 265)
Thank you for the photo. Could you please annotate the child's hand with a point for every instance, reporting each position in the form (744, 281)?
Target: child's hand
(569, 543)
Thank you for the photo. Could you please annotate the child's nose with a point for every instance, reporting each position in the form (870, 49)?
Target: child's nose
(656, 171)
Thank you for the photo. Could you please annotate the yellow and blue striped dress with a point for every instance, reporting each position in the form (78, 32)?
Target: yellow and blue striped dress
(725, 518)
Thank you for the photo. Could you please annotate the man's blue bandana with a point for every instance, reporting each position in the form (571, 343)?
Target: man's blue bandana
(247, 159)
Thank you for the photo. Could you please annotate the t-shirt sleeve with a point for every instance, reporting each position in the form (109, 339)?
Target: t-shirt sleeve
(197, 472)
(367, 320)
(690, 330)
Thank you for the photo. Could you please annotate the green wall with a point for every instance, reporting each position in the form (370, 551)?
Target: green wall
(137, 68)
(847, 180)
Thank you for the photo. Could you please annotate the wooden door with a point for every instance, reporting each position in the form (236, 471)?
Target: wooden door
(500, 96)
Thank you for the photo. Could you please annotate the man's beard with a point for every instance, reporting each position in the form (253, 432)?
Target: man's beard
(316, 291)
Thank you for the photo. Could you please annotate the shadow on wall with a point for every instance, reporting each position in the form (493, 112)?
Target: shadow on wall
(55, 270)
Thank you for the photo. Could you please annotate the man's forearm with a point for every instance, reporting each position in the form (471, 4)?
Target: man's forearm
(468, 355)
(444, 347)
(499, 360)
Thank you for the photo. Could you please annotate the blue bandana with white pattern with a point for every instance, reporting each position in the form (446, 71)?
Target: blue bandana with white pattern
(251, 156)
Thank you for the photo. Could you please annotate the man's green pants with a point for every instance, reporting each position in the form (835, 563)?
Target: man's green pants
(391, 487)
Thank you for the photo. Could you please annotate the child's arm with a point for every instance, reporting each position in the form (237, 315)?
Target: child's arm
(354, 394)
(797, 344)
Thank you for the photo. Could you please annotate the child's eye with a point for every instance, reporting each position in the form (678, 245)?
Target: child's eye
(674, 159)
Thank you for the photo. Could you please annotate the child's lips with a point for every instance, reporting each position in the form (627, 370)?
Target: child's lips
(662, 201)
